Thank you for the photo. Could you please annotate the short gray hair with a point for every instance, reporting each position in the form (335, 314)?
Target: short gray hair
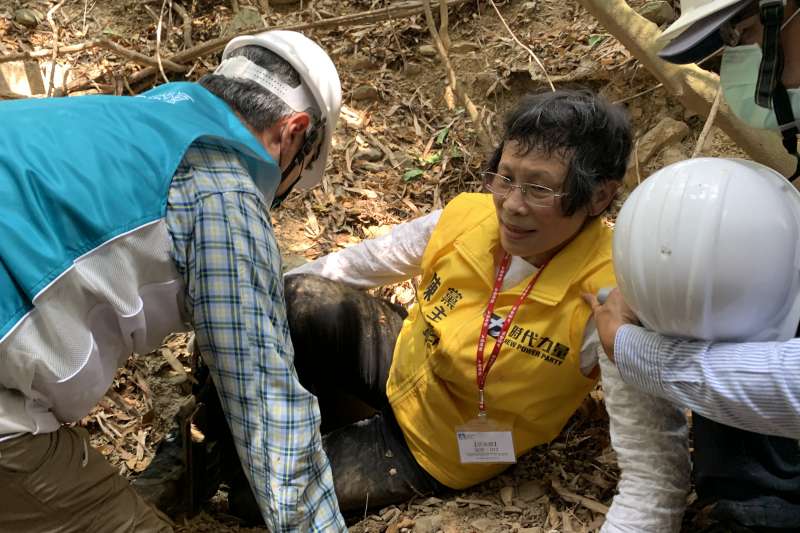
(256, 105)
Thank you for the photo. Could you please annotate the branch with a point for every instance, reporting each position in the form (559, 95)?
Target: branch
(187, 24)
(444, 24)
(483, 137)
(406, 9)
(526, 48)
(136, 57)
(701, 140)
(54, 27)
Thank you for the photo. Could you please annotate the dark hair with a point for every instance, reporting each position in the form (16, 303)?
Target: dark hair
(257, 106)
(593, 136)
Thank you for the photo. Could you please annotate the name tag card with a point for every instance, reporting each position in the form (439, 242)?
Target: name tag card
(481, 441)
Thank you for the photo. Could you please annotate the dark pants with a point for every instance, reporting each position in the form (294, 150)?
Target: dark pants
(752, 480)
(343, 342)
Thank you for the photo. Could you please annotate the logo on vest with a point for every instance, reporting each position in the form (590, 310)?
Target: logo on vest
(529, 342)
(169, 98)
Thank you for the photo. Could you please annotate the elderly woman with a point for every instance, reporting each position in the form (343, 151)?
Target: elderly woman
(499, 350)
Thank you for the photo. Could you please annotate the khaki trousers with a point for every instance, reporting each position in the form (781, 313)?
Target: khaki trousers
(56, 482)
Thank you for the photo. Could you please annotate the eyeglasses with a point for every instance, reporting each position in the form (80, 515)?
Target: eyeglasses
(532, 193)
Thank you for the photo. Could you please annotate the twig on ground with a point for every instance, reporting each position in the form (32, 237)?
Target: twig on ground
(474, 115)
(158, 41)
(443, 24)
(187, 24)
(526, 48)
(54, 27)
(365, 17)
(44, 53)
(637, 95)
(141, 59)
(85, 12)
(592, 505)
(712, 114)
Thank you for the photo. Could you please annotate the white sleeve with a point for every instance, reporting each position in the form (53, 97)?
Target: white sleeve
(650, 437)
(391, 258)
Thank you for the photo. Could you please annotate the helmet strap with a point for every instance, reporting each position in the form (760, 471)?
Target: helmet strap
(769, 72)
(299, 159)
(785, 116)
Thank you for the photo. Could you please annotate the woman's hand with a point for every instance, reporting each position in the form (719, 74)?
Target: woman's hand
(609, 317)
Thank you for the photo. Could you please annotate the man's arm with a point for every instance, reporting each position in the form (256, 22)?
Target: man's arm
(388, 259)
(754, 386)
(236, 298)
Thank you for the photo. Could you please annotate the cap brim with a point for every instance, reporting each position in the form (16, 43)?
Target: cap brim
(701, 38)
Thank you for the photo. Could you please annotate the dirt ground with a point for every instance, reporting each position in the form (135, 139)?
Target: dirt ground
(404, 147)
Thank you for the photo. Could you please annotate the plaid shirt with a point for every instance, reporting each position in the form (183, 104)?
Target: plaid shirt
(225, 250)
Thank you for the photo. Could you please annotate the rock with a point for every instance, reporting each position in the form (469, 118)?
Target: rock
(673, 154)
(25, 77)
(530, 491)
(405, 523)
(427, 524)
(368, 154)
(427, 50)
(668, 131)
(506, 495)
(290, 261)
(413, 69)
(658, 11)
(482, 524)
(365, 93)
(389, 514)
(363, 63)
(30, 18)
(247, 18)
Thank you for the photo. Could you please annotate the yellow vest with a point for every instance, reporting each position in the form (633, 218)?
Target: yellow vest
(536, 383)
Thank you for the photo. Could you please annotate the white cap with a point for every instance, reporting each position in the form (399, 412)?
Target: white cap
(319, 85)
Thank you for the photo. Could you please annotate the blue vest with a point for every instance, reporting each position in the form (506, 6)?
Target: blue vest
(77, 172)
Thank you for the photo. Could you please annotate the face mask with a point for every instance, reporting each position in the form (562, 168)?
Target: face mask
(738, 77)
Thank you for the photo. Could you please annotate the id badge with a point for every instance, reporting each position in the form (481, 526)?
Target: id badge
(482, 440)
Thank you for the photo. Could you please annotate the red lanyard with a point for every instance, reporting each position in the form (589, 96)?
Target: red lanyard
(481, 370)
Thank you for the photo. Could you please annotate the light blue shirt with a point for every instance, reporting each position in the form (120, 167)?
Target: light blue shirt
(754, 386)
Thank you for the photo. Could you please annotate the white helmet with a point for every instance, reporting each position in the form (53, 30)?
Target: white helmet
(320, 85)
(710, 249)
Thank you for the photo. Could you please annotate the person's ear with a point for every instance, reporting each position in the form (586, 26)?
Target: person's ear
(602, 197)
(294, 131)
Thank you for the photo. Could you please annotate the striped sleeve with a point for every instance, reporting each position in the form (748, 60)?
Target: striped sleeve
(754, 386)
